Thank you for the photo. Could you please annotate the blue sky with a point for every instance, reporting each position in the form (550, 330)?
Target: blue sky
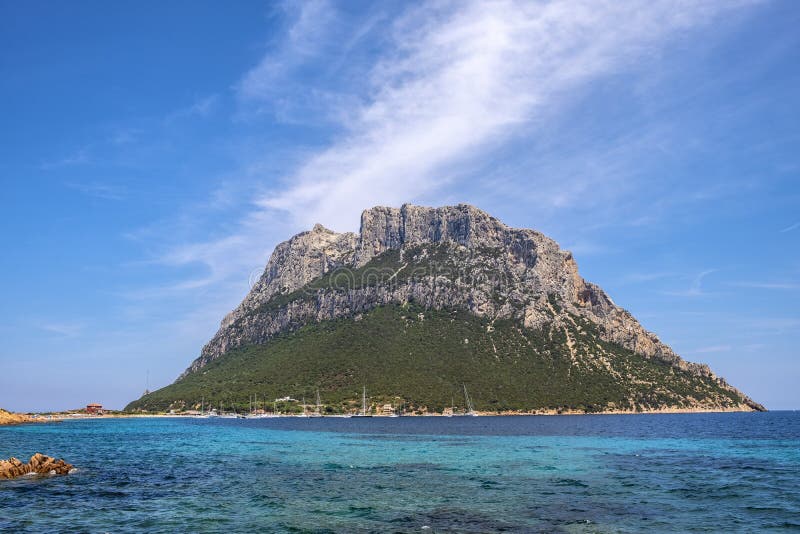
(152, 155)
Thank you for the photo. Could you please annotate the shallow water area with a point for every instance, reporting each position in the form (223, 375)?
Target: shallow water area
(601, 473)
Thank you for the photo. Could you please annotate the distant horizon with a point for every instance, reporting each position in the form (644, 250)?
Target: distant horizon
(153, 158)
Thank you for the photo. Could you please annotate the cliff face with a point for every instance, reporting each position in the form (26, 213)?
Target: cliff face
(455, 257)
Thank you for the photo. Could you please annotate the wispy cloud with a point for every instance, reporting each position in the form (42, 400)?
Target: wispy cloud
(791, 227)
(63, 329)
(99, 190)
(710, 350)
(771, 325)
(638, 278)
(78, 157)
(305, 38)
(293, 81)
(696, 288)
(201, 107)
(458, 82)
(790, 286)
(125, 136)
(583, 248)
(455, 81)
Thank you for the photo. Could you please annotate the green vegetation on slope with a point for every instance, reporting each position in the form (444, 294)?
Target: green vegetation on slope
(420, 358)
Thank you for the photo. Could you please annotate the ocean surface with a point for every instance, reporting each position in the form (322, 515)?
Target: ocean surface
(599, 473)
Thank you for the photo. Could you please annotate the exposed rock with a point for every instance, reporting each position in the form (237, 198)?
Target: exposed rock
(448, 257)
(293, 264)
(38, 464)
(8, 418)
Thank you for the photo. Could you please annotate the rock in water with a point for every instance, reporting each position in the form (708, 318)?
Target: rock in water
(13, 468)
(393, 305)
(38, 464)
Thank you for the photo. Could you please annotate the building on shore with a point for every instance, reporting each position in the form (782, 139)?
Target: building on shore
(94, 409)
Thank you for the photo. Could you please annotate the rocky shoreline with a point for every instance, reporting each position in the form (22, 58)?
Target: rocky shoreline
(549, 412)
(10, 418)
(736, 409)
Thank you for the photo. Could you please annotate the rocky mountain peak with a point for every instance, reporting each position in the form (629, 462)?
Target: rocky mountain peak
(318, 228)
(451, 257)
(384, 228)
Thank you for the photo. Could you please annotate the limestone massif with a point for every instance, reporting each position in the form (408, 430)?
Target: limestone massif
(450, 258)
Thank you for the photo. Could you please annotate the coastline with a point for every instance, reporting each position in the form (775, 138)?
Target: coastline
(56, 418)
(11, 418)
(734, 409)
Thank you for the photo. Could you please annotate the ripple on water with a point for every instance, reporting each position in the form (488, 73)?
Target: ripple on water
(605, 474)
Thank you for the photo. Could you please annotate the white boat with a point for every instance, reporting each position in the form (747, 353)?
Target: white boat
(305, 413)
(363, 412)
(470, 408)
(203, 414)
(317, 413)
(230, 415)
(452, 408)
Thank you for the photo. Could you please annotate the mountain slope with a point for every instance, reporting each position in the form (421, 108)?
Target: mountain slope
(425, 299)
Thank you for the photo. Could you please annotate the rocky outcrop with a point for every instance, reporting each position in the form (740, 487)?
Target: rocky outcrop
(447, 257)
(296, 262)
(8, 418)
(39, 464)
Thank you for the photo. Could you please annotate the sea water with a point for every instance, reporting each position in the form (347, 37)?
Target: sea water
(598, 473)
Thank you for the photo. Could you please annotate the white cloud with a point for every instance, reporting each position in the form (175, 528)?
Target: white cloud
(696, 288)
(638, 278)
(583, 248)
(454, 81)
(462, 79)
(790, 286)
(79, 157)
(791, 227)
(301, 41)
(105, 191)
(711, 349)
(63, 329)
(201, 107)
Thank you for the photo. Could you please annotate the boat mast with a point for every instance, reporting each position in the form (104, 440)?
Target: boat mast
(470, 408)
(364, 402)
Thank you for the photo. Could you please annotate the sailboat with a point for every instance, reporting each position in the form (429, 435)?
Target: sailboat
(470, 408)
(203, 413)
(318, 412)
(363, 412)
(304, 414)
(452, 408)
(228, 415)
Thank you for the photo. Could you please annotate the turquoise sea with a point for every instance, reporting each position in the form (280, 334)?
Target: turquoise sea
(599, 473)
